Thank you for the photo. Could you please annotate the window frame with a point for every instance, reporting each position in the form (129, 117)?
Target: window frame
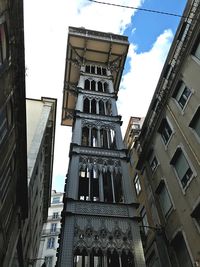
(51, 243)
(55, 202)
(196, 49)
(151, 159)
(144, 218)
(47, 262)
(178, 94)
(196, 214)
(164, 131)
(137, 184)
(194, 121)
(180, 150)
(163, 186)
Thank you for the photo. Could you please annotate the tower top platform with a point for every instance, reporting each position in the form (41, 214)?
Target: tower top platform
(85, 47)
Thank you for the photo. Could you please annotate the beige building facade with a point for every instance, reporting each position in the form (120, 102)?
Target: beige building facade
(166, 155)
(41, 119)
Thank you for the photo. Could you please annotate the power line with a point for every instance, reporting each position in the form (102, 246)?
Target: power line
(141, 9)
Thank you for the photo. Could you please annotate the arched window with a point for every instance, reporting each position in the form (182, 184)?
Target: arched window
(101, 108)
(93, 106)
(84, 176)
(104, 71)
(88, 184)
(93, 86)
(105, 87)
(87, 68)
(117, 181)
(94, 193)
(100, 87)
(94, 137)
(86, 105)
(93, 69)
(108, 108)
(107, 187)
(112, 139)
(81, 258)
(113, 259)
(87, 85)
(85, 136)
(99, 70)
(103, 138)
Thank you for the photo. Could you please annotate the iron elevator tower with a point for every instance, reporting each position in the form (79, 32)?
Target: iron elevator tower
(99, 221)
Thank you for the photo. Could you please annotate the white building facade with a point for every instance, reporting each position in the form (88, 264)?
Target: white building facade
(50, 232)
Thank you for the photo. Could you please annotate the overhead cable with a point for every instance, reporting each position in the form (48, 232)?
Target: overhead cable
(139, 8)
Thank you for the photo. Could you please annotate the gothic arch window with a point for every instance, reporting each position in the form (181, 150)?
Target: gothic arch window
(103, 138)
(104, 71)
(93, 69)
(112, 139)
(108, 108)
(105, 87)
(113, 259)
(84, 176)
(85, 136)
(107, 186)
(86, 105)
(87, 84)
(100, 87)
(101, 108)
(118, 191)
(88, 184)
(87, 68)
(99, 70)
(93, 86)
(94, 137)
(93, 106)
(81, 258)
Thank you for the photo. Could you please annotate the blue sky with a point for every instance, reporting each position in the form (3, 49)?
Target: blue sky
(150, 37)
(146, 26)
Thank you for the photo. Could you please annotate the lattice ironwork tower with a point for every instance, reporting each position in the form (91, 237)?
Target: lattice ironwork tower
(99, 221)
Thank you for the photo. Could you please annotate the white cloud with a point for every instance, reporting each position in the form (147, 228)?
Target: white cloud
(46, 29)
(138, 85)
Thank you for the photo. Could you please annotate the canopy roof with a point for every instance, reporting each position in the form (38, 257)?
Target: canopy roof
(90, 47)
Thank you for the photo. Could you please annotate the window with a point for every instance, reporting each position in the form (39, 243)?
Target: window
(3, 43)
(145, 223)
(182, 94)
(197, 51)
(51, 242)
(137, 184)
(195, 123)
(53, 227)
(55, 200)
(153, 162)
(196, 214)
(164, 198)
(182, 167)
(165, 131)
(88, 184)
(181, 252)
(95, 70)
(48, 261)
(55, 215)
